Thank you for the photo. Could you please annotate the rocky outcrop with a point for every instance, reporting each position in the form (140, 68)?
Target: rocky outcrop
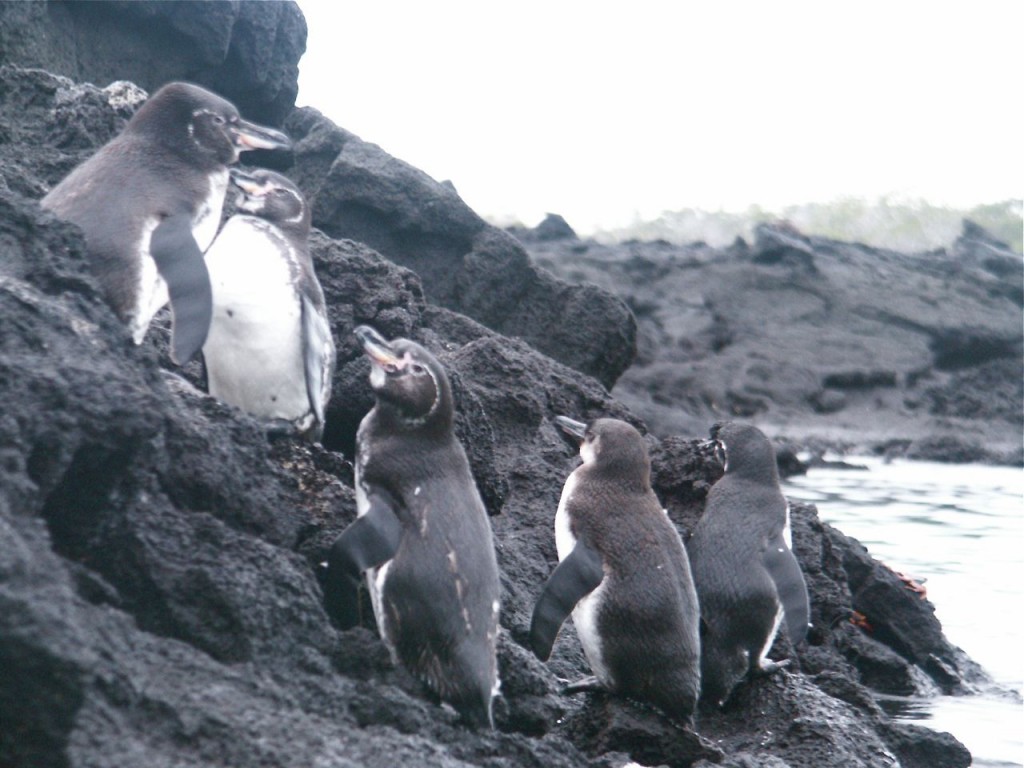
(159, 558)
(812, 338)
(360, 192)
(158, 576)
(247, 52)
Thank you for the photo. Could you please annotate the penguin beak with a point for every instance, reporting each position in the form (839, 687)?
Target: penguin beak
(376, 347)
(246, 136)
(246, 182)
(571, 427)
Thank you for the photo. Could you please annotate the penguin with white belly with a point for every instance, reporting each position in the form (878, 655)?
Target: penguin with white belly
(269, 351)
(624, 576)
(422, 535)
(748, 580)
(149, 203)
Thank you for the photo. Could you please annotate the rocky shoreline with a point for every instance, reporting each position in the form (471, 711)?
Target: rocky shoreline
(825, 345)
(159, 558)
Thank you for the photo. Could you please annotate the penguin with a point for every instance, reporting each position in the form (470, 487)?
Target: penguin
(269, 350)
(422, 534)
(149, 203)
(624, 575)
(747, 578)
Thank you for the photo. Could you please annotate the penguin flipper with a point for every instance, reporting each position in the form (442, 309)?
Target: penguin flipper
(371, 540)
(575, 577)
(180, 263)
(317, 357)
(790, 585)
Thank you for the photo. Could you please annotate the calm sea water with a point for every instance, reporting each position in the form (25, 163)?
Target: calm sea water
(959, 529)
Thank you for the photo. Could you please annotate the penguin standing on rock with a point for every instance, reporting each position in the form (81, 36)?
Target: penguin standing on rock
(624, 575)
(270, 350)
(149, 203)
(747, 578)
(422, 534)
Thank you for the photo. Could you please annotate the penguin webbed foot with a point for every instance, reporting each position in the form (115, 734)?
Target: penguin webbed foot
(767, 667)
(588, 684)
(280, 429)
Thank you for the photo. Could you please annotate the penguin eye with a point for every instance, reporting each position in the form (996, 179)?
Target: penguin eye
(218, 120)
(417, 369)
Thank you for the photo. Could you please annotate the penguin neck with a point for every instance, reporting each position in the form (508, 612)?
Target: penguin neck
(626, 475)
(436, 425)
(766, 472)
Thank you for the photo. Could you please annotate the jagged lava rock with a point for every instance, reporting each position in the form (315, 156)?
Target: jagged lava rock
(247, 52)
(359, 192)
(159, 558)
(817, 339)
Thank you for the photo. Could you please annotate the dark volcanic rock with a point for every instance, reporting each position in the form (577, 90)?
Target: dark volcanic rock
(815, 339)
(360, 192)
(247, 52)
(159, 558)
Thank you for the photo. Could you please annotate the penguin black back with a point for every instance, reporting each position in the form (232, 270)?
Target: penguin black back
(624, 574)
(747, 578)
(422, 534)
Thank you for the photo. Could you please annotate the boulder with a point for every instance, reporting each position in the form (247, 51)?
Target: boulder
(360, 192)
(247, 52)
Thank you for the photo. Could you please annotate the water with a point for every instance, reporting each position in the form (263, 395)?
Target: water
(959, 528)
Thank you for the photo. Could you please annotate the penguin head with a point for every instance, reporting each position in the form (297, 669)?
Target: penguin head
(271, 196)
(611, 446)
(747, 452)
(412, 389)
(200, 125)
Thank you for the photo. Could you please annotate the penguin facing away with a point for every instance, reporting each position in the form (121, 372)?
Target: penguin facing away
(149, 203)
(269, 350)
(624, 576)
(422, 534)
(747, 578)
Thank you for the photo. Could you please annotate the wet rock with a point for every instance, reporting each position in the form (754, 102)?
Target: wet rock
(919, 747)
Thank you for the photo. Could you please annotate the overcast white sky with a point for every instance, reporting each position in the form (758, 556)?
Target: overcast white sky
(604, 112)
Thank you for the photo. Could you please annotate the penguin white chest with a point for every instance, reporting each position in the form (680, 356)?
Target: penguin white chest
(564, 539)
(151, 294)
(375, 577)
(254, 351)
(207, 218)
(585, 614)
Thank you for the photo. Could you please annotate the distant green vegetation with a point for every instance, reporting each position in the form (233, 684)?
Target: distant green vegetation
(902, 226)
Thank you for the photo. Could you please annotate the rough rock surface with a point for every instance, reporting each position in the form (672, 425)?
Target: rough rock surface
(903, 353)
(358, 191)
(159, 558)
(248, 52)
